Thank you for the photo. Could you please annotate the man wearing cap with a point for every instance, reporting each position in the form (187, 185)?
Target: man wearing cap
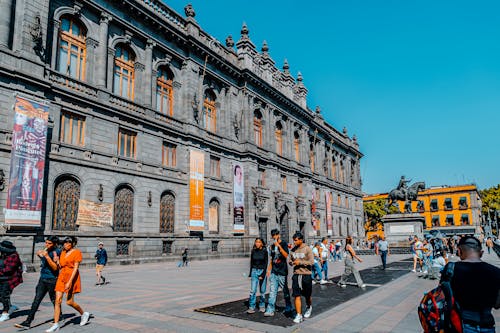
(101, 257)
(475, 298)
(49, 272)
(11, 275)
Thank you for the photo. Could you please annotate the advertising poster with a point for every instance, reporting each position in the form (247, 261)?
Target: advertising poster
(94, 214)
(27, 163)
(238, 199)
(196, 190)
(314, 220)
(329, 222)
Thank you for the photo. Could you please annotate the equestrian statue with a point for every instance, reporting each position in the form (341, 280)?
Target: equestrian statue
(403, 193)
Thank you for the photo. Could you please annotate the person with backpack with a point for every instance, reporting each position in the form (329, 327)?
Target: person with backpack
(476, 299)
(11, 275)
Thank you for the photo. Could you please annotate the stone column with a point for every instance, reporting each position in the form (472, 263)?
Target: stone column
(148, 76)
(5, 22)
(102, 52)
(92, 45)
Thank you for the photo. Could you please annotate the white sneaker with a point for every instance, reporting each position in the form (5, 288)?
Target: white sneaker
(298, 319)
(4, 317)
(323, 282)
(307, 314)
(363, 286)
(414, 271)
(54, 328)
(84, 319)
(13, 308)
(425, 272)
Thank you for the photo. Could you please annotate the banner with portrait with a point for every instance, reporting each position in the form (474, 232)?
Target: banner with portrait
(196, 190)
(27, 163)
(329, 222)
(238, 198)
(94, 214)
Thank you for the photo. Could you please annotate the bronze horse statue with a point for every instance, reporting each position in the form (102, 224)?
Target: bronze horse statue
(411, 195)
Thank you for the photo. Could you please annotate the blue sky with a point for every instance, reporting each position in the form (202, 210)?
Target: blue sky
(418, 82)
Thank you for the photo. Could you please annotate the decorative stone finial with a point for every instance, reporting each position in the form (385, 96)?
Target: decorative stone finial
(189, 11)
(244, 31)
(354, 138)
(229, 41)
(286, 66)
(318, 110)
(265, 47)
(299, 77)
(344, 130)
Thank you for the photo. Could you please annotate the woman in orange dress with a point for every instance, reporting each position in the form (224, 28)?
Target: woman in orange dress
(68, 282)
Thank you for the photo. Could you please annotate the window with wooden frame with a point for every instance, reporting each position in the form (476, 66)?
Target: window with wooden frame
(257, 128)
(339, 200)
(342, 172)
(72, 129)
(301, 188)
(296, 146)
(347, 202)
(312, 157)
(169, 155)
(334, 169)
(124, 72)
(72, 49)
(283, 183)
(278, 134)
(209, 117)
(164, 92)
(127, 143)
(214, 167)
(262, 177)
(213, 216)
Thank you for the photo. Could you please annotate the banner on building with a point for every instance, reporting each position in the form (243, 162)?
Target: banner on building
(27, 163)
(94, 214)
(238, 198)
(196, 190)
(314, 214)
(329, 222)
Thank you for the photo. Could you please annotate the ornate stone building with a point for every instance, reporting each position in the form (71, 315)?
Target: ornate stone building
(133, 88)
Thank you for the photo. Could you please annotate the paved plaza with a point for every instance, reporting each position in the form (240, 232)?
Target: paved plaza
(161, 297)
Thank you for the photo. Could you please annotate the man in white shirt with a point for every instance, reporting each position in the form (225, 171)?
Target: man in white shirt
(324, 259)
(382, 249)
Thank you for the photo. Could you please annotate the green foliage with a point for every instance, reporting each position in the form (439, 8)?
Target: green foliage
(374, 211)
(491, 199)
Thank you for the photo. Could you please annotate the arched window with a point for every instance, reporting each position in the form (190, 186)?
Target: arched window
(296, 146)
(65, 209)
(213, 216)
(167, 212)
(209, 117)
(124, 209)
(164, 92)
(124, 73)
(257, 127)
(72, 50)
(278, 134)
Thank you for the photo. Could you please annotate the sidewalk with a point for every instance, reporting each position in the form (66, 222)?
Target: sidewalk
(160, 297)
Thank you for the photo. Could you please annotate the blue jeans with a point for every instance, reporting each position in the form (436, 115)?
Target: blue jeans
(477, 329)
(277, 281)
(316, 271)
(383, 255)
(253, 291)
(324, 268)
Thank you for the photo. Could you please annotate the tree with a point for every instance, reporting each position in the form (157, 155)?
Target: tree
(374, 211)
(491, 201)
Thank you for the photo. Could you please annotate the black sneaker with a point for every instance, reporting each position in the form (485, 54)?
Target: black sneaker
(24, 325)
(103, 280)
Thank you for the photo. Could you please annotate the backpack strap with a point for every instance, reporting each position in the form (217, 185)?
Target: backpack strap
(445, 283)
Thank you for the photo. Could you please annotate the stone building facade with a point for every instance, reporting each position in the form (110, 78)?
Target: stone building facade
(133, 88)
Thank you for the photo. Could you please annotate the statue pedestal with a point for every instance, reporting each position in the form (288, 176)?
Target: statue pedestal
(398, 227)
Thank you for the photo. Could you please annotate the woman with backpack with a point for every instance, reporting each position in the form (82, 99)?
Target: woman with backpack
(11, 275)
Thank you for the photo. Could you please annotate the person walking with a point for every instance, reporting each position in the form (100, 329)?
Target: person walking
(277, 272)
(476, 300)
(349, 265)
(338, 249)
(101, 257)
(68, 282)
(489, 244)
(11, 275)
(382, 249)
(316, 269)
(324, 259)
(49, 256)
(416, 249)
(302, 261)
(185, 259)
(258, 266)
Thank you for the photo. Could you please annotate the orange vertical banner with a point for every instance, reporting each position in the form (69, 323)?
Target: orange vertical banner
(196, 190)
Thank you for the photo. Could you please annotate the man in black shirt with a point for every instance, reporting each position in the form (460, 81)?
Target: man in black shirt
(278, 272)
(476, 287)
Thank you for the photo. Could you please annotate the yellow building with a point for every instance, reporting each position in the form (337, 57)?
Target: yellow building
(451, 209)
